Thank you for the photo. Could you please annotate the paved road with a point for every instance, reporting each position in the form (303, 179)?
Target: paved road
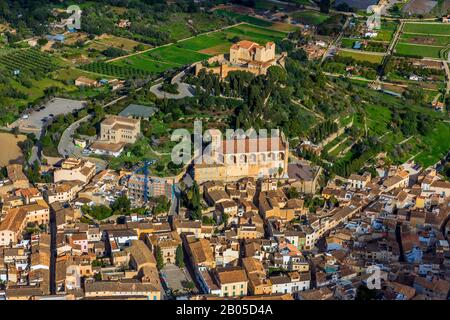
(184, 89)
(66, 146)
(53, 252)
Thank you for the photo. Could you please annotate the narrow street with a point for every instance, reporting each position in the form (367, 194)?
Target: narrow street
(52, 252)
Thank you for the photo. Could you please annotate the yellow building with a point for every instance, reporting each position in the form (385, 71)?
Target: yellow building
(232, 281)
(118, 129)
(12, 226)
(258, 283)
(75, 169)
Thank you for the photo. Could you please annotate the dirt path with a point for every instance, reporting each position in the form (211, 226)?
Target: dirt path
(405, 140)
(340, 142)
(318, 115)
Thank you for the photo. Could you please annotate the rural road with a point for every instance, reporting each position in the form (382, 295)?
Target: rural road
(336, 43)
(447, 71)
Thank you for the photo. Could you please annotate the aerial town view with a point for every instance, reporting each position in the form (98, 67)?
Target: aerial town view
(209, 150)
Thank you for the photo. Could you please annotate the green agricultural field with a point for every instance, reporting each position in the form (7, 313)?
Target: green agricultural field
(31, 60)
(417, 50)
(310, 17)
(145, 63)
(204, 41)
(176, 55)
(254, 33)
(427, 28)
(243, 18)
(348, 43)
(116, 70)
(441, 40)
(373, 58)
(387, 31)
(424, 40)
(188, 51)
(267, 5)
(70, 74)
(435, 145)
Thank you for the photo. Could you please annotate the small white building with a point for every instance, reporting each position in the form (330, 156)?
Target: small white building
(292, 283)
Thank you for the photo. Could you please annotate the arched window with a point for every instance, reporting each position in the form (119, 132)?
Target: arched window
(232, 159)
(252, 158)
(262, 157)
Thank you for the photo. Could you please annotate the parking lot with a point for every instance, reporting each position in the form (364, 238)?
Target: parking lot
(35, 120)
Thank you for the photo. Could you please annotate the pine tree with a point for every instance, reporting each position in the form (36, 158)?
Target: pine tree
(179, 257)
(159, 258)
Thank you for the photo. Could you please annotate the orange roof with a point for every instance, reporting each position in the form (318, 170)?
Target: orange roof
(14, 219)
(28, 192)
(248, 145)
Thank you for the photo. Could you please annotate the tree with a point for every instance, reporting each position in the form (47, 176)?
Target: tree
(276, 74)
(325, 6)
(189, 285)
(15, 131)
(139, 47)
(159, 258)
(179, 257)
(193, 201)
(292, 193)
(42, 41)
(364, 294)
(122, 205)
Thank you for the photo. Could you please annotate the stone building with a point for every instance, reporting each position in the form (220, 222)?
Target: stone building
(236, 158)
